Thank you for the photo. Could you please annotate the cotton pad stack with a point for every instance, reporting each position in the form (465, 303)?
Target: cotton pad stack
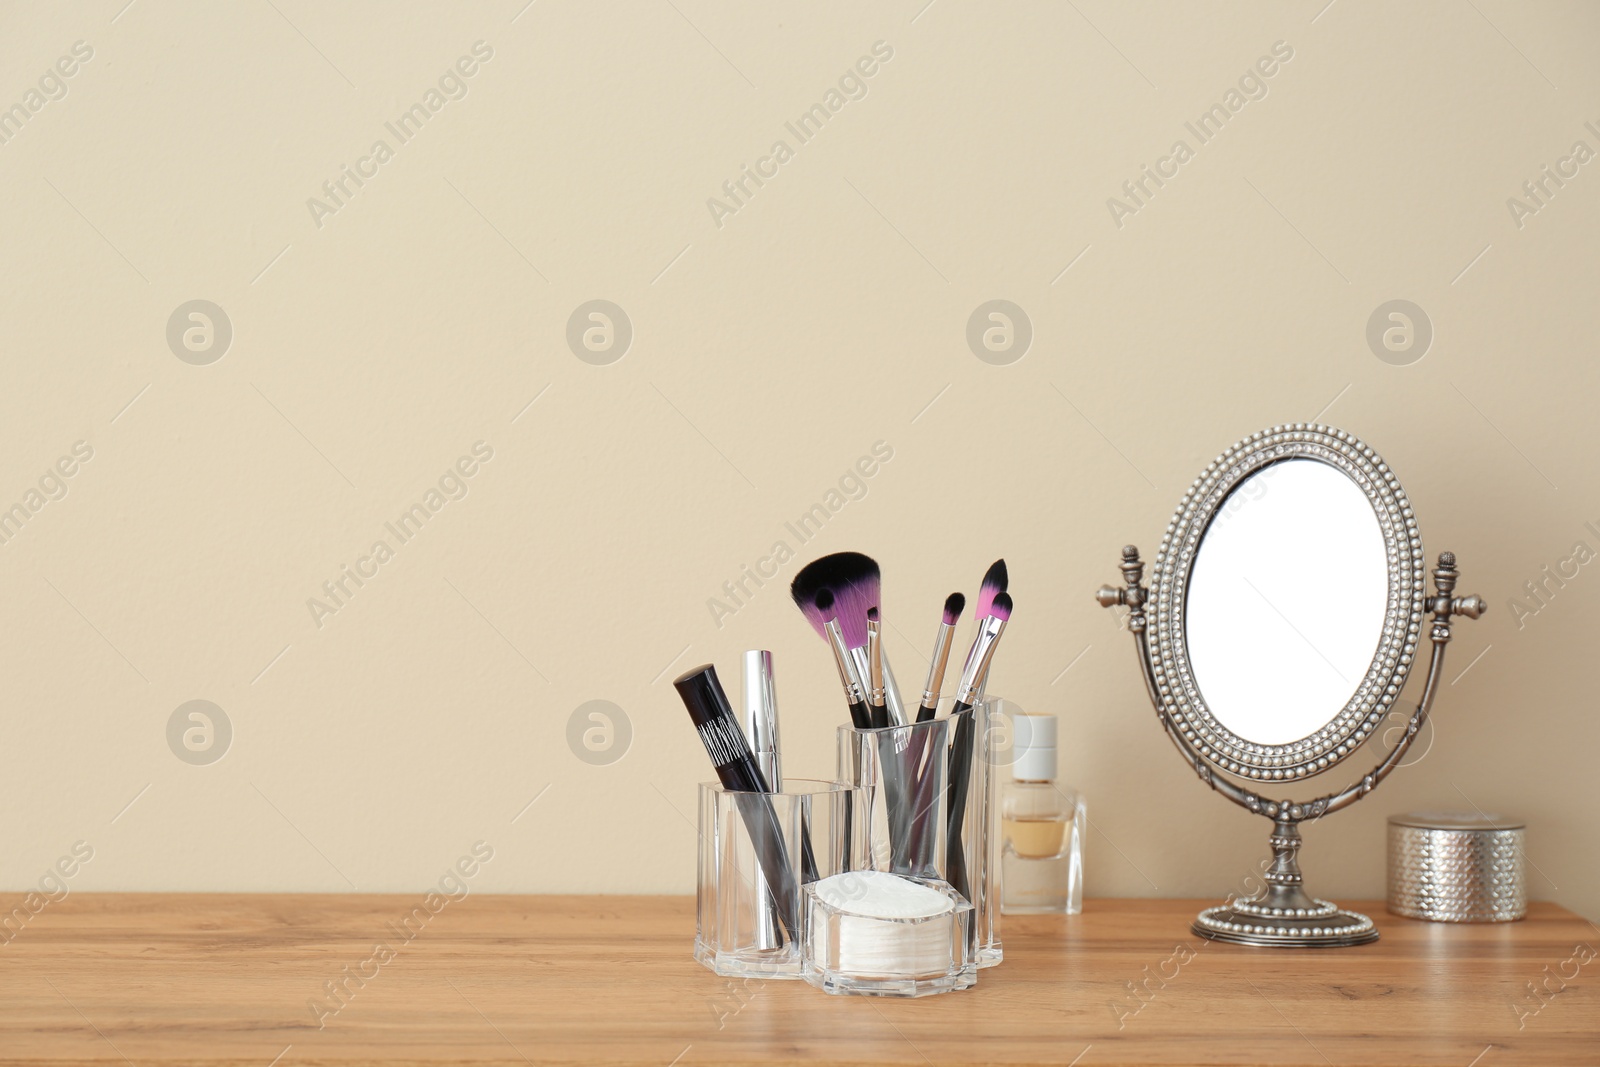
(871, 931)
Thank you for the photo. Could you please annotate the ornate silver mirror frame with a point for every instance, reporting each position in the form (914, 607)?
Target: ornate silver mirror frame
(1282, 914)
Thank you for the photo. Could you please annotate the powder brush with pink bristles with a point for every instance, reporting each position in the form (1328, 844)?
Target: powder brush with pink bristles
(855, 581)
(817, 606)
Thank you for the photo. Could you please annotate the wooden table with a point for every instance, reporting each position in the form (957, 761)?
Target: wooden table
(231, 979)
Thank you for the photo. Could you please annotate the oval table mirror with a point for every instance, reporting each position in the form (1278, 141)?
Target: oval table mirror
(1284, 612)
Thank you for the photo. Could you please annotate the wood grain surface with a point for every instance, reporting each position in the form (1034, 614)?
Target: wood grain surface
(233, 979)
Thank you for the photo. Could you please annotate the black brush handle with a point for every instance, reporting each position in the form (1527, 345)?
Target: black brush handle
(878, 715)
(924, 805)
(926, 714)
(860, 718)
(739, 773)
(956, 812)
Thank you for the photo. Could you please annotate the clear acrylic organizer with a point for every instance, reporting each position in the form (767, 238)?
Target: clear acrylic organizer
(757, 853)
(929, 810)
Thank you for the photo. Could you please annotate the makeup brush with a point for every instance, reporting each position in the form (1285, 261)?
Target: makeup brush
(819, 612)
(982, 653)
(736, 768)
(855, 581)
(996, 580)
(877, 710)
(976, 668)
(954, 604)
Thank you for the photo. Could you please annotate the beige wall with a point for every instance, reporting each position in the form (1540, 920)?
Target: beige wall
(374, 345)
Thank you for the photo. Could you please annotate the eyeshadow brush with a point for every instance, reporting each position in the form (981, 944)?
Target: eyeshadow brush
(877, 709)
(954, 604)
(996, 580)
(976, 668)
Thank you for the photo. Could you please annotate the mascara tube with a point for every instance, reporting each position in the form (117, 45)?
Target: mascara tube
(713, 718)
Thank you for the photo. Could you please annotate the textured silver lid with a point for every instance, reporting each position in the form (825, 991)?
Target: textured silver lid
(1457, 820)
(1456, 867)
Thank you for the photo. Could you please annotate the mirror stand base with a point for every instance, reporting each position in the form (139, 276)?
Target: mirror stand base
(1320, 925)
(1283, 916)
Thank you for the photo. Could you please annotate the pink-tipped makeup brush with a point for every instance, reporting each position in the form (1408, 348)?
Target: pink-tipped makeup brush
(818, 608)
(855, 581)
(954, 604)
(982, 653)
(995, 581)
(977, 667)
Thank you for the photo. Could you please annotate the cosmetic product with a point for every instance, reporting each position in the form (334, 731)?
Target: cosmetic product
(703, 695)
(953, 606)
(996, 580)
(1457, 867)
(733, 901)
(817, 605)
(878, 934)
(760, 707)
(1041, 827)
(877, 709)
(976, 668)
(761, 716)
(855, 581)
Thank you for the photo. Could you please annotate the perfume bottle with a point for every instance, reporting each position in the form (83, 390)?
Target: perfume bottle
(1041, 827)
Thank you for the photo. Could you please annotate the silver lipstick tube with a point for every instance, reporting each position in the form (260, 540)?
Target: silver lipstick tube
(761, 717)
(760, 706)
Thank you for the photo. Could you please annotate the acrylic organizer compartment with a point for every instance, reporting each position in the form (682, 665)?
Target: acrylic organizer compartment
(929, 810)
(872, 933)
(757, 853)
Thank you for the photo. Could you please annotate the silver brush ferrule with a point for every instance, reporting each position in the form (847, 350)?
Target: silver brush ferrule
(863, 668)
(977, 665)
(936, 666)
(854, 691)
(875, 664)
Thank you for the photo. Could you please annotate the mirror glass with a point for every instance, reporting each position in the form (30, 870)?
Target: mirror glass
(1285, 603)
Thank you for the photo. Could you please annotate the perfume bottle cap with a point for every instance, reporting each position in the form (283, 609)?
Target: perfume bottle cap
(1034, 748)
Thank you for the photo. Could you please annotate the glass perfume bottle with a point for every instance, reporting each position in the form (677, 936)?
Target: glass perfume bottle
(1041, 826)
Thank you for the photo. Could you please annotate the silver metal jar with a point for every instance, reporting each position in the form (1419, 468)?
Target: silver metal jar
(1452, 867)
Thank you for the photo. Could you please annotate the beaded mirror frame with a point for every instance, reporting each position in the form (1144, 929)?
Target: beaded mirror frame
(1391, 663)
